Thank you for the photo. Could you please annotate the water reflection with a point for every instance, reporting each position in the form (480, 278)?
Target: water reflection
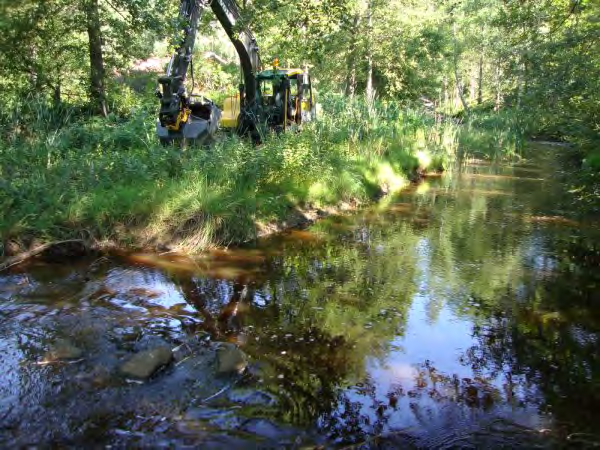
(457, 315)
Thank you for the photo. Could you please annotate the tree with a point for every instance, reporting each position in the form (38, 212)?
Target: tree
(94, 32)
(46, 44)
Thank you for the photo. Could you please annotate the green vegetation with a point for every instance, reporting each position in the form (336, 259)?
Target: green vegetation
(109, 178)
(403, 87)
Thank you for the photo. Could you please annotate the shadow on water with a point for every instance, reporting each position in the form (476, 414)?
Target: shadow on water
(462, 313)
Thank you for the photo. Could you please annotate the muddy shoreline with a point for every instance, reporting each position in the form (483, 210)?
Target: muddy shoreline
(19, 251)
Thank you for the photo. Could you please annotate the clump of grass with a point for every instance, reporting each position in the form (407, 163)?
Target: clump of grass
(494, 135)
(64, 173)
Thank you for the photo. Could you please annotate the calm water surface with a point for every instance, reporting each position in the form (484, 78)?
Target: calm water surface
(462, 313)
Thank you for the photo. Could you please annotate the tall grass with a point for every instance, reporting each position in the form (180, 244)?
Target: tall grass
(494, 134)
(64, 174)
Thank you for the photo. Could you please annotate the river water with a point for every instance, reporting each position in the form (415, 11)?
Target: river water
(462, 313)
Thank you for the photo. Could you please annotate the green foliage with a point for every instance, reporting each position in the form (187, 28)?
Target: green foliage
(537, 59)
(45, 49)
(495, 135)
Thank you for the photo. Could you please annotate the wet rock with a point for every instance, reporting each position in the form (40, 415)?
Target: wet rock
(250, 397)
(256, 370)
(146, 363)
(264, 428)
(127, 336)
(221, 418)
(100, 378)
(63, 350)
(191, 346)
(230, 359)
(25, 317)
(210, 419)
(203, 413)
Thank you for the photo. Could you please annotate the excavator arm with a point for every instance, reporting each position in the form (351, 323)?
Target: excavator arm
(178, 115)
(228, 14)
(174, 104)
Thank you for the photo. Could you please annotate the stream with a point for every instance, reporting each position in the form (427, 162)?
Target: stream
(462, 313)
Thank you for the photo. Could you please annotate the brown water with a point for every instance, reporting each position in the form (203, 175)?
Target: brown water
(463, 313)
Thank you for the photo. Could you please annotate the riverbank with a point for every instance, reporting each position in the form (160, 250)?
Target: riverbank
(107, 182)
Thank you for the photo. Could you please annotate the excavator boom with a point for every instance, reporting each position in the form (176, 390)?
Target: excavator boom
(181, 117)
(228, 14)
(174, 95)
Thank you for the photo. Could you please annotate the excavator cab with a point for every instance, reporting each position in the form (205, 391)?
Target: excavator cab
(284, 99)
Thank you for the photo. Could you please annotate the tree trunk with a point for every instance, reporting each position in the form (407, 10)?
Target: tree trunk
(351, 81)
(526, 75)
(522, 86)
(33, 76)
(445, 93)
(370, 91)
(480, 81)
(460, 89)
(56, 94)
(97, 89)
(498, 90)
(457, 78)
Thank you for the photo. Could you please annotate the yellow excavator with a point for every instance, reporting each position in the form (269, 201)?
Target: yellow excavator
(275, 99)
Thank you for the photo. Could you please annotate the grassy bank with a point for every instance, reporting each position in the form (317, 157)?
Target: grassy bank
(65, 175)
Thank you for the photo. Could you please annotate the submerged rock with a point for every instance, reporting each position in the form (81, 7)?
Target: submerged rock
(251, 397)
(221, 418)
(146, 363)
(63, 350)
(230, 359)
(264, 428)
(191, 346)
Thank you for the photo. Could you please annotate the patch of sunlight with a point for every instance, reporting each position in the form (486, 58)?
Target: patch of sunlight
(551, 317)
(402, 208)
(188, 196)
(318, 191)
(384, 204)
(423, 188)
(450, 140)
(557, 220)
(152, 260)
(499, 177)
(424, 158)
(175, 263)
(386, 177)
(420, 138)
(303, 236)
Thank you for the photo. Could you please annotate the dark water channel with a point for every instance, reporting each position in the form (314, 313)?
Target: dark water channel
(464, 313)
